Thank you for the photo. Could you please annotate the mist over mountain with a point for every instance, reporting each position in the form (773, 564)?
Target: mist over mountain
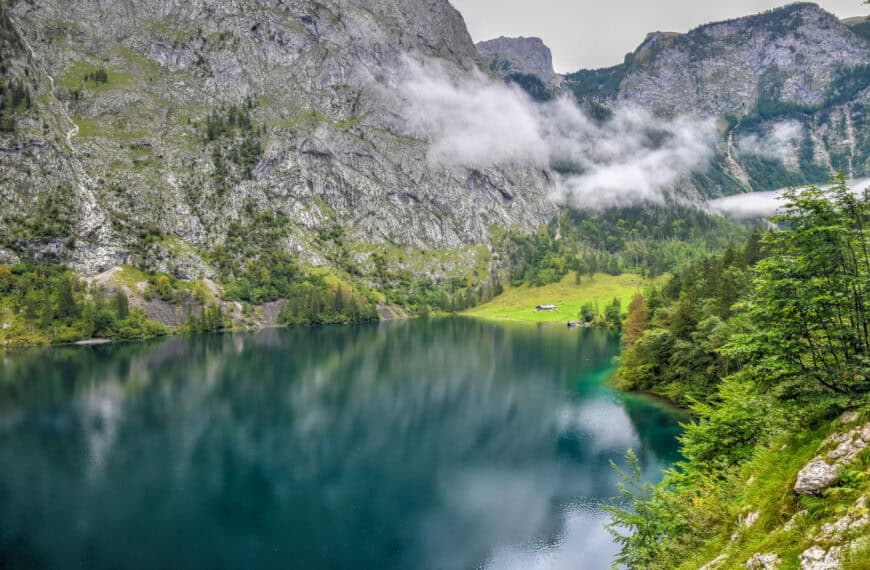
(146, 132)
(789, 88)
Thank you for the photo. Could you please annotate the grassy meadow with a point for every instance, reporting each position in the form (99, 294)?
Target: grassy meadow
(518, 303)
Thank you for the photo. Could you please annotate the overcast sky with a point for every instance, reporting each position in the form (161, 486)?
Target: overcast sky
(598, 33)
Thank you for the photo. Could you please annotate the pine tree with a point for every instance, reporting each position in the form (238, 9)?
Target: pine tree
(636, 321)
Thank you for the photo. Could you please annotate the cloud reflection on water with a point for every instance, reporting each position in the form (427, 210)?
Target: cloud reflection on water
(446, 444)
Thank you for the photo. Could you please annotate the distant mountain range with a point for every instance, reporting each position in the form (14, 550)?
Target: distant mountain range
(791, 88)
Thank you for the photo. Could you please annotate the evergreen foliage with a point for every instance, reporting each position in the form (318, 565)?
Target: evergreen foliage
(235, 140)
(48, 303)
(759, 342)
(651, 241)
(15, 95)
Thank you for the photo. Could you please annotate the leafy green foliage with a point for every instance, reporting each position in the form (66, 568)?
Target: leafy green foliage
(532, 85)
(650, 241)
(256, 269)
(807, 307)
(596, 83)
(211, 319)
(235, 140)
(316, 303)
(47, 303)
(99, 76)
(764, 343)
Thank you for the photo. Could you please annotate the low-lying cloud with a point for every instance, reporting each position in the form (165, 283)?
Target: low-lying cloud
(473, 121)
(765, 204)
(777, 143)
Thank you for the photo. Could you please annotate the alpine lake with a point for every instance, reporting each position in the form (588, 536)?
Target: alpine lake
(431, 444)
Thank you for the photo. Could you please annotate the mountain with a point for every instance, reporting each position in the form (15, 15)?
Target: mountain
(860, 25)
(791, 87)
(173, 135)
(151, 132)
(526, 61)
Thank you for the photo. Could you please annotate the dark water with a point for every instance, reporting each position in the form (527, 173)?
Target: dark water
(447, 444)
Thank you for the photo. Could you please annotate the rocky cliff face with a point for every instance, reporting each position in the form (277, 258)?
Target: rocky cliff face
(154, 132)
(158, 127)
(793, 55)
(792, 86)
(519, 55)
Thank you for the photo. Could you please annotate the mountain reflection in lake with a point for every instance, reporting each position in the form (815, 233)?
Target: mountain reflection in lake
(440, 444)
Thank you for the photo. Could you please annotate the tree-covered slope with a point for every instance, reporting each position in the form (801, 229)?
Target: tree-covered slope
(768, 345)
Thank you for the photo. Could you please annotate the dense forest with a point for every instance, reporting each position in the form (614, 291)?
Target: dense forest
(647, 240)
(51, 304)
(764, 342)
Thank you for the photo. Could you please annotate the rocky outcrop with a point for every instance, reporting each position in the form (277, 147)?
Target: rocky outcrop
(816, 558)
(817, 476)
(519, 55)
(793, 54)
(855, 520)
(822, 472)
(763, 562)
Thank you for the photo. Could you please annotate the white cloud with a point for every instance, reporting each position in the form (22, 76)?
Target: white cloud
(473, 121)
(780, 142)
(764, 204)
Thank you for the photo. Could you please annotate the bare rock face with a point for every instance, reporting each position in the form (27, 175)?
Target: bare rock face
(821, 472)
(763, 562)
(816, 477)
(519, 55)
(132, 157)
(793, 52)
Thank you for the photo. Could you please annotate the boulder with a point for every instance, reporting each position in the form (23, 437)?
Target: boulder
(816, 558)
(816, 477)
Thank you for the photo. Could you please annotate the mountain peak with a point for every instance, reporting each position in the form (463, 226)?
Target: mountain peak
(519, 55)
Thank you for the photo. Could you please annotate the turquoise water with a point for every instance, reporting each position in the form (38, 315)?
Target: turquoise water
(443, 444)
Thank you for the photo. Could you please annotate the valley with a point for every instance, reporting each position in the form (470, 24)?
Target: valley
(365, 293)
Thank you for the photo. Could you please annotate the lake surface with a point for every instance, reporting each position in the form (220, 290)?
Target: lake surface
(443, 444)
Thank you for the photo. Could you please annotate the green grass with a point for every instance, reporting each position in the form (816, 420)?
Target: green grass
(130, 277)
(518, 303)
(98, 128)
(167, 30)
(766, 487)
(74, 78)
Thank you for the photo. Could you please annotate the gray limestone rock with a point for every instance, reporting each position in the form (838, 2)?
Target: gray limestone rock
(519, 55)
(815, 477)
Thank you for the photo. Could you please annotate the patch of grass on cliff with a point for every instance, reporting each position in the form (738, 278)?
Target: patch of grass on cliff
(97, 128)
(130, 277)
(518, 303)
(168, 31)
(78, 77)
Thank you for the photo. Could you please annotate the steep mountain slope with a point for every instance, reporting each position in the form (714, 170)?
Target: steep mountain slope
(525, 61)
(156, 129)
(792, 86)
